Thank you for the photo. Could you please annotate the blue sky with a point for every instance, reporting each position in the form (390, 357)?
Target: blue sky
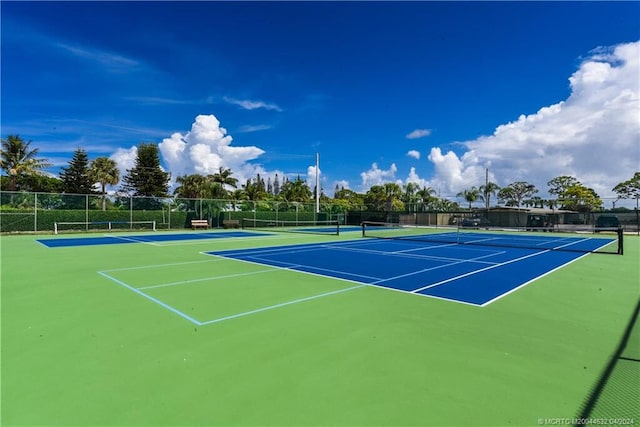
(426, 92)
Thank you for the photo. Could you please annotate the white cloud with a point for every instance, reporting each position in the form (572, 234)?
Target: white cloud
(251, 105)
(593, 135)
(415, 178)
(311, 177)
(125, 159)
(377, 176)
(111, 61)
(341, 184)
(206, 148)
(414, 153)
(418, 133)
(252, 128)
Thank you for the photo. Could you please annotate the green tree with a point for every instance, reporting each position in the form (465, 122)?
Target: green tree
(629, 189)
(194, 186)
(354, 201)
(410, 194)
(147, 178)
(34, 183)
(346, 197)
(444, 205)
(221, 180)
(580, 198)
(252, 191)
(568, 190)
(296, 191)
(75, 177)
(104, 171)
(471, 195)
(572, 195)
(393, 196)
(560, 184)
(375, 198)
(514, 193)
(276, 186)
(17, 158)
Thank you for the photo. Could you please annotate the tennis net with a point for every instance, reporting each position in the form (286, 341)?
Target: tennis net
(608, 240)
(305, 227)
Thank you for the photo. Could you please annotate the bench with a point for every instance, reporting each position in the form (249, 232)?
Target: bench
(195, 223)
(231, 223)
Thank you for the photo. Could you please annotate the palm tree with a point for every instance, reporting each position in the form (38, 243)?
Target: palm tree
(105, 171)
(471, 195)
(220, 180)
(192, 187)
(426, 196)
(17, 158)
(237, 196)
(393, 193)
(487, 190)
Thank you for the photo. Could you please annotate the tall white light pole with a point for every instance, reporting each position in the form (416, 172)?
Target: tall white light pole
(317, 183)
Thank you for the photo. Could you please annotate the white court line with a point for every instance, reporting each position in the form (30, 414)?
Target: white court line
(402, 254)
(532, 280)
(244, 239)
(471, 273)
(274, 250)
(359, 284)
(293, 266)
(150, 298)
(164, 265)
(431, 269)
(259, 310)
(423, 248)
(132, 240)
(204, 279)
(289, 269)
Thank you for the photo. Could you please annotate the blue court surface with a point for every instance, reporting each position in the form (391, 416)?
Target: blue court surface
(146, 238)
(476, 275)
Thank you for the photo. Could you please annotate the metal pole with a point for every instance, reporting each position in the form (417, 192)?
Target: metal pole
(35, 213)
(86, 211)
(317, 183)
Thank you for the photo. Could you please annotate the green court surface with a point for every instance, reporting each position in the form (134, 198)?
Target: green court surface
(100, 336)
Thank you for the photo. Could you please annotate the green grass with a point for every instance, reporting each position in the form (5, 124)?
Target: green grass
(78, 349)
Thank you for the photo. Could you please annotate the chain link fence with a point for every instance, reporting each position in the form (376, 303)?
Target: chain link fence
(40, 212)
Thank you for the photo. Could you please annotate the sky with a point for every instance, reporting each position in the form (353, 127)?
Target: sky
(434, 93)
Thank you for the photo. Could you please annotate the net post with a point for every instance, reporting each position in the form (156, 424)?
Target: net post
(363, 233)
(55, 228)
(337, 228)
(154, 226)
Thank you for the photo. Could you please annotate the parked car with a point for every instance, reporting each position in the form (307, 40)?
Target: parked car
(454, 220)
(607, 221)
(475, 222)
(538, 222)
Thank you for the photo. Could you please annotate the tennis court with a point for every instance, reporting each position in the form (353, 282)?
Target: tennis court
(299, 327)
(456, 272)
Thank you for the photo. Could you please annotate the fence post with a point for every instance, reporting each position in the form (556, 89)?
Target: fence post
(35, 213)
(86, 211)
